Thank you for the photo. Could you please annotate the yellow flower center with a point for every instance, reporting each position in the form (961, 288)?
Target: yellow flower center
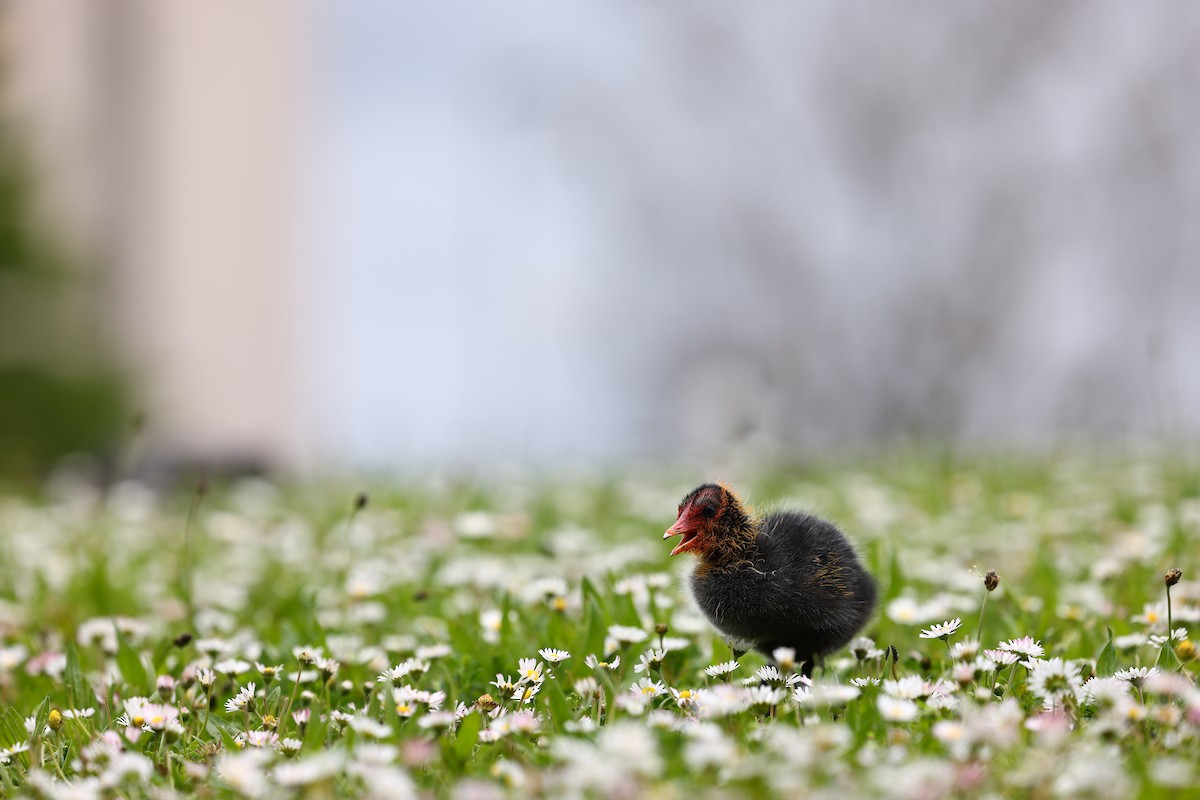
(403, 709)
(686, 694)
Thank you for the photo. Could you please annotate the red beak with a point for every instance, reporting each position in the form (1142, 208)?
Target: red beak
(689, 537)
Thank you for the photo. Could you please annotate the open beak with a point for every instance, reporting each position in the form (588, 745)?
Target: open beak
(688, 541)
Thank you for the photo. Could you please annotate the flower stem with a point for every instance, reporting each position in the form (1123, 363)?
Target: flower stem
(291, 700)
(1169, 621)
(982, 608)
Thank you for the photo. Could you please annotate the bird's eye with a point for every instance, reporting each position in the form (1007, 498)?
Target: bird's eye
(708, 512)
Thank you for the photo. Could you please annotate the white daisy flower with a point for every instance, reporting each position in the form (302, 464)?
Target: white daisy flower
(587, 688)
(525, 693)
(721, 700)
(289, 746)
(942, 630)
(650, 660)
(433, 651)
(765, 696)
(829, 694)
(896, 709)
(595, 663)
(626, 634)
(241, 700)
(1002, 658)
(785, 657)
(1102, 691)
(684, 698)
(910, 687)
(724, 668)
(646, 687)
(1053, 680)
(1025, 646)
(491, 621)
(1136, 676)
(965, 651)
(530, 670)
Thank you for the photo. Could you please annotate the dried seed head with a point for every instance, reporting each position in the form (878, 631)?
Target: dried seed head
(360, 501)
(991, 581)
(486, 703)
(661, 628)
(1172, 577)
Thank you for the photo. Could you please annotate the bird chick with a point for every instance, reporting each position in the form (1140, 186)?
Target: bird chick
(781, 580)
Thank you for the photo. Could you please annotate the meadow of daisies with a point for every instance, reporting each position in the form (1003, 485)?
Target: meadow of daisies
(526, 636)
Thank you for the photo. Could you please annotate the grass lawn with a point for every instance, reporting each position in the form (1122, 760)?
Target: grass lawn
(528, 636)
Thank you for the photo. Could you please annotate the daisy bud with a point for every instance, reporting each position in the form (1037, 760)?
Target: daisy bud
(1172, 577)
(485, 703)
(182, 640)
(165, 685)
(661, 628)
(55, 720)
(360, 501)
(1186, 650)
(991, 581)
(269, 722)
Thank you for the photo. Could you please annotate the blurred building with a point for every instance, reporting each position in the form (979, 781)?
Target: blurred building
(165, 136)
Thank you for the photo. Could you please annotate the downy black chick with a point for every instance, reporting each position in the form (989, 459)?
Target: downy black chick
(783, 580)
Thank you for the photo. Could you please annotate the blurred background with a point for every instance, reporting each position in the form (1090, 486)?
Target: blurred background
(363, 234)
